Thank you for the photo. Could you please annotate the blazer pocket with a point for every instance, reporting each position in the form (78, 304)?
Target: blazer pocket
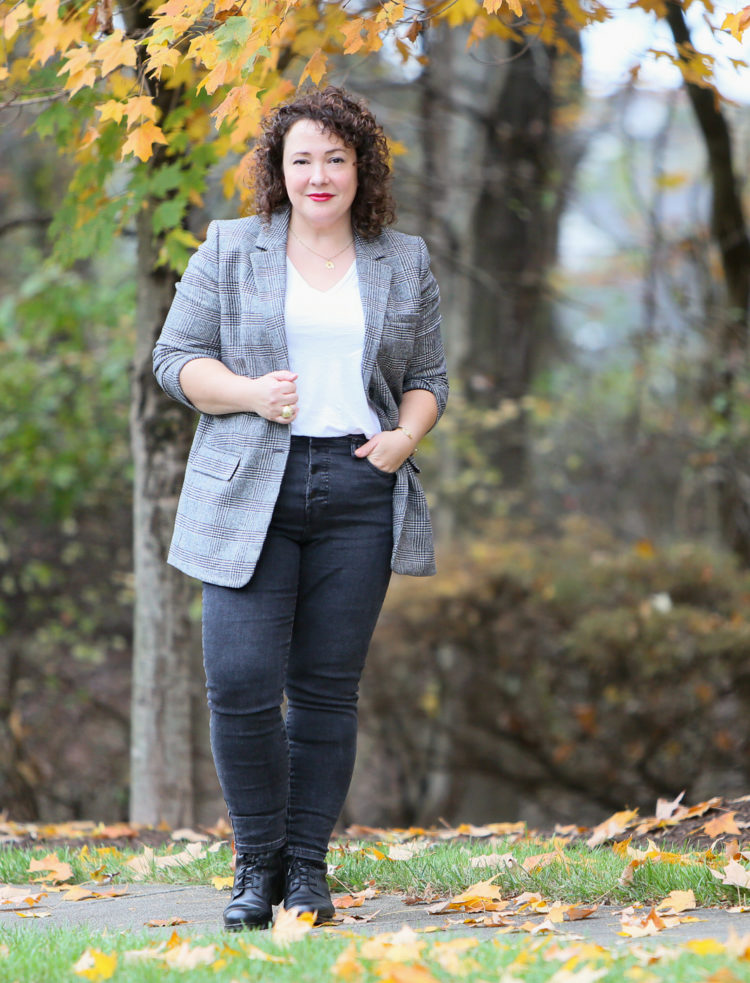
(215, 464)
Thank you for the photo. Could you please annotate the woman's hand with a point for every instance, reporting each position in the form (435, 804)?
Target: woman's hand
(387, 450)
(272, 393)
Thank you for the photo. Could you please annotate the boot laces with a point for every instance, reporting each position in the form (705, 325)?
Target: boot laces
(249, 868)
(301, 871)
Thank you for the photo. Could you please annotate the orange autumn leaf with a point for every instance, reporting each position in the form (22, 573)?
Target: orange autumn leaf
(315, 69)
(58, 870)
(722, 824)
(141, 139)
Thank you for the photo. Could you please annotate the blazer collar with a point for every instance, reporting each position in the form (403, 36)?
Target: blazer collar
(273, 234)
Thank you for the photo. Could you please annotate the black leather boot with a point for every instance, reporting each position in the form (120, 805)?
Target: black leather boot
(258, 885)
(307, 888)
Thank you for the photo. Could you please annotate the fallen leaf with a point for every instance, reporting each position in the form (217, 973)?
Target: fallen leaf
(666, 809)
(33, 914)
(539, 928)
(166, 922)
(449, 955)
(706, 947)
(184, 956)
(353, 900)
(611, 827)
(13, 897)
(542, 860)
(58, 870)
(407, 852)
(637, 927)
(733, 874)
(722, 824)
(480, 892)
(489, 921)
(142, 865)
(290, 926)
(506, 860)
(677, 901)
(96, 965)
(348, 965)
(575, 914)
(359, 919)
(402, 946)
(221, 883)
(253, 952)
(190, 835)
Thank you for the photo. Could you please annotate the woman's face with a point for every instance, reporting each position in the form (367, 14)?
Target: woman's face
(320, 174)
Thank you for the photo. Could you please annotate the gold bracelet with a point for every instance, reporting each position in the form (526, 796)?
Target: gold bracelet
(408, 432)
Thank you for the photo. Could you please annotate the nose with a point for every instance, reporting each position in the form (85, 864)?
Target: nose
(318, 173)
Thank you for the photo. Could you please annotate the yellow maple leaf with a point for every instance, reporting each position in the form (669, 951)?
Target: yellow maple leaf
(352, 31)
(159, 57)
(315, 69)
(96, 965)
(135, 109)
(47, 10)
(224, 73)
(14, 16)
(115, 51)
(112, 109)
(222, 882)
(141, 140)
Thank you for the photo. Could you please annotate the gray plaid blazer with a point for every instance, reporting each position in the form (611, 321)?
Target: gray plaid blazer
(229, 305)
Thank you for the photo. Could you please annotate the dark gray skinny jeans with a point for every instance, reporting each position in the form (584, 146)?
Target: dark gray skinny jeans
(302, 625)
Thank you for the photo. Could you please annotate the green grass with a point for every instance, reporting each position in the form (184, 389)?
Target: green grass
(581, 875)
(49, 956)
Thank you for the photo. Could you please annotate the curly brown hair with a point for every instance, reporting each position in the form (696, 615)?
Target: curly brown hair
(340, 114)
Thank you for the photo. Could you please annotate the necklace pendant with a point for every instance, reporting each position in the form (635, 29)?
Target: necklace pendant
(329, 265)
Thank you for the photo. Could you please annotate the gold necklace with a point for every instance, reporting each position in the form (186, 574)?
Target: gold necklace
(329, 259)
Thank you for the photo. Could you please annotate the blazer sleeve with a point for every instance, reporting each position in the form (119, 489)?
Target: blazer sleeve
(192, 327)
(426, 368)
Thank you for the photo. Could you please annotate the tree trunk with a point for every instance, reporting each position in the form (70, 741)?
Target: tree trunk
(730, 343)
(169, 728)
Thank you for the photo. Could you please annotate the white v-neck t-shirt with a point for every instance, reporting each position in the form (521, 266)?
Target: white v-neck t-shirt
(325, 336)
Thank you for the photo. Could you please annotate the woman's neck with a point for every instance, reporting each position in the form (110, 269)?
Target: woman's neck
(323, 237)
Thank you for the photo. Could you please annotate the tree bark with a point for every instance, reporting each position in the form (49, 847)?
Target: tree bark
(172, 778)
(730, 344)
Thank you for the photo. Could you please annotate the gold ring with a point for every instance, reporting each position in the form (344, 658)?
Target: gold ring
(286, 412)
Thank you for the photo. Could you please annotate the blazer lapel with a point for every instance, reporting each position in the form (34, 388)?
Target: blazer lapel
(374, 283)
(268, 261)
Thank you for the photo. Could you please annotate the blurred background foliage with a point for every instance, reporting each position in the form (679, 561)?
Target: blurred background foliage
(586, 643)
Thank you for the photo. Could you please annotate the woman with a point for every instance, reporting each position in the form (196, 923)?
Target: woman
(308, 338)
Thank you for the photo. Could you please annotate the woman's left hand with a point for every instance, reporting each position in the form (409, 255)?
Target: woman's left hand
(387, 450)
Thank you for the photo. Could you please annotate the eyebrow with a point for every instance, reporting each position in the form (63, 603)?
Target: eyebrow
(307, 153)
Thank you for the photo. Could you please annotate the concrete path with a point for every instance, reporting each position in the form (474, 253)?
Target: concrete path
(202, 907)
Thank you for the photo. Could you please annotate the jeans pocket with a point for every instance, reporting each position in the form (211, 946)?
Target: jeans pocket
(382, 474)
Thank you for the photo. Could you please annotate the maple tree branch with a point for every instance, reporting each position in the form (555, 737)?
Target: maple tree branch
(17, 223)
